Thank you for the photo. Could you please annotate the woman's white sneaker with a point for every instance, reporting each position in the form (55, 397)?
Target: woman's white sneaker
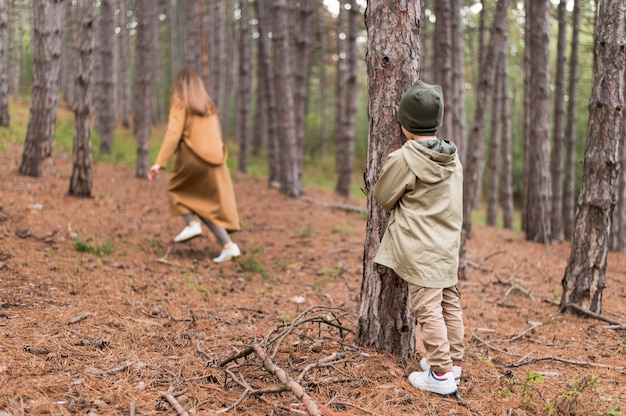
(189, 232)
(227, 254)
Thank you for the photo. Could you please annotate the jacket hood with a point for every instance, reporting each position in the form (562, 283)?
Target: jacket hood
(430, 160)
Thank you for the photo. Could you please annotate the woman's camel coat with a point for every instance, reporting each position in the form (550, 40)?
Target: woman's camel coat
(200, 181)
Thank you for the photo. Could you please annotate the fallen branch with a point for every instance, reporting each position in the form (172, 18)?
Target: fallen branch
(164, 259)
(174, 403)
(587, 312)
(123, 367)
(288, 382)
(521, 334)
(79, 318)
(526, 360)
(350, 208)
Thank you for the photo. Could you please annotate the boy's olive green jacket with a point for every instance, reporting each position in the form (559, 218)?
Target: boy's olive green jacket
(422, 185)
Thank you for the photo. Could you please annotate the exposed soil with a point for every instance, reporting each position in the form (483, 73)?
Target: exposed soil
(110, 329)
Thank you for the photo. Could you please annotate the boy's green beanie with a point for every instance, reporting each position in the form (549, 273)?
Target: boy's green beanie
(421, 109)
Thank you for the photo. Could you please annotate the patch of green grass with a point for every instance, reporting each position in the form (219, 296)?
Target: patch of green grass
(251, 265)
(84, 246)
(306, 233)
(344, 229)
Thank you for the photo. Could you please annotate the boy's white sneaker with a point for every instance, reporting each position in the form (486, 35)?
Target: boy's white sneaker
(457, 371)
(227, 254)
(189, 232)
(429, 381)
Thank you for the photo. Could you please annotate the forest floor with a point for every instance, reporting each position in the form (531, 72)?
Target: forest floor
(100, 313)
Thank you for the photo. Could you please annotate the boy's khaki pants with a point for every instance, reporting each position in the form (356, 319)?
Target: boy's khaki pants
(440, 318)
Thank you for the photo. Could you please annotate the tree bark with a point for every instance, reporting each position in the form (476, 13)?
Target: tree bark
(570, 129)
(456, 96)
(123, 84)
(475, 154)
(290, 178)
(81, 179)
(347, 132)
(508, 209)
(266, 72)
(386, 321)
(4, 70)
(558, 135)
(583, 282)
(495, 143)
(146, 14)
(47, 25)
(106, 110)
(617, 241)
(244, 87)
(537, 170)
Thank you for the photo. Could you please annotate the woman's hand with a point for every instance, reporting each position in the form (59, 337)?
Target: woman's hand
(154, 171)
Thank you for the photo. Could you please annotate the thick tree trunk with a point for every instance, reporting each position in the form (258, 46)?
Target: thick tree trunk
(618, 222)
(537, 170)
(386, 321)
(106, 109)
(143, 80)
(585, 274)
(47, 40)
(81, 179)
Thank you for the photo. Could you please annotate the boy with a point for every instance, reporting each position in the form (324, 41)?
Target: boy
(422, 185)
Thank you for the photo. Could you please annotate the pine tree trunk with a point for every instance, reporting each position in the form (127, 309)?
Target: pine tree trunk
(146, 14)
(386, 321)
(302, 53)
(456, 96)
(81, 179)
(244, 87)
(474, 164)
(585, 274)
(105, 112)
(123, 84)
(4, 70)
(266, 78)
(618, 222)
(216, 46)
(495, 142)
(19, 12)
(323, 108)
(191, 42)
(443, 59)
(283, 81)
(570, 129)
(537, 170)
(345, 150)
(508, 209)
(558, 135)
(47, 40)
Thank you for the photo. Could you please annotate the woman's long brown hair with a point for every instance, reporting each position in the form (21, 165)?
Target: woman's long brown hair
(188, 87)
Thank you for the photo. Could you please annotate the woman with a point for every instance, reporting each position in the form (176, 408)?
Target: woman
(200, 188)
